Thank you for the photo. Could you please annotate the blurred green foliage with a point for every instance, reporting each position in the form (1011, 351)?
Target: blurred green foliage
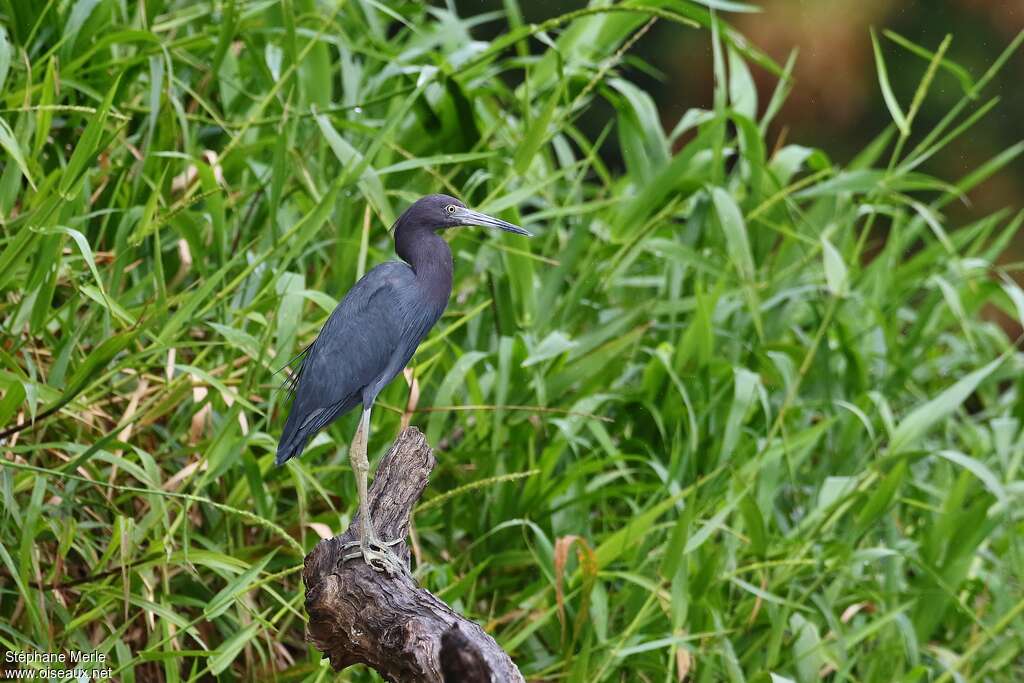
(836, 102)
(735, 414)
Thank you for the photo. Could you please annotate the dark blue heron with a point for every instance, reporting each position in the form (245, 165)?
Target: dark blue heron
(371, 336)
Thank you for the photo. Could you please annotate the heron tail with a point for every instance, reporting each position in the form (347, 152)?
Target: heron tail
(287, 452)
(293, 440)
(300, 427)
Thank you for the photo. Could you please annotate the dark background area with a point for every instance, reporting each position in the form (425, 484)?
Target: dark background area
(836, 103)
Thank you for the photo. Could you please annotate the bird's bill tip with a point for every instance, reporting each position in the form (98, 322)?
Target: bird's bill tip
(516, 229)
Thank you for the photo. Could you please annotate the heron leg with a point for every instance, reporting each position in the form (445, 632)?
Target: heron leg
(373, 551)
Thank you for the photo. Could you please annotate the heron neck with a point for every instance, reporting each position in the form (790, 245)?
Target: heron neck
(430, 258)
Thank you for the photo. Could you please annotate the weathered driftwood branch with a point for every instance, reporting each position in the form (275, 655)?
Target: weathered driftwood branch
(358, 615)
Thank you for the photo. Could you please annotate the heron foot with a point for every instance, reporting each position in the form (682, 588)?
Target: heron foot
(376, 541)
(377, 554)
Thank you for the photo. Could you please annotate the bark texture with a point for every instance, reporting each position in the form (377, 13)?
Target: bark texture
(358, 615)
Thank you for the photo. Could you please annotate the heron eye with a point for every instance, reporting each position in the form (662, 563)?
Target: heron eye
(450, 208)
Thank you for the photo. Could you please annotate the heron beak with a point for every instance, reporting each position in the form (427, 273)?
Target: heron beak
(470, 217)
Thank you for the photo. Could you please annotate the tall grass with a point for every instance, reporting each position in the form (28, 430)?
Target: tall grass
(738, 413)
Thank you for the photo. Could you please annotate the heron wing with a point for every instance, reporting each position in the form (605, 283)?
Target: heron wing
(355, 347)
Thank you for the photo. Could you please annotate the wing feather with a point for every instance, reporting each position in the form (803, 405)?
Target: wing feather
(356, 346)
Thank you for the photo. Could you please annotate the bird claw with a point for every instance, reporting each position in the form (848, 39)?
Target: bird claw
(378, 555)
(374, 542)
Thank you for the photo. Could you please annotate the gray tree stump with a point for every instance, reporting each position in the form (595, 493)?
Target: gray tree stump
(358, 615)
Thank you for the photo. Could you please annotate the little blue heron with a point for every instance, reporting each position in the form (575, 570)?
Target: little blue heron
(370, 337)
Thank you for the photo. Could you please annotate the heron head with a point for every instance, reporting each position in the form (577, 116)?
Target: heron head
(441, 212)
